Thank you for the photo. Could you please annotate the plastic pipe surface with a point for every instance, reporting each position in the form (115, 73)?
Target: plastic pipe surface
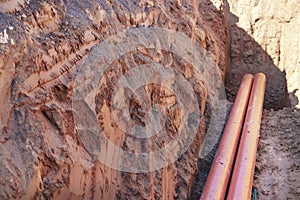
(242, 177)
(217, 181)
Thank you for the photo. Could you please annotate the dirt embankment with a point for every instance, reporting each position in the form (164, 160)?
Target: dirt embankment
(44, 152)
(42, 46)
(265, 38)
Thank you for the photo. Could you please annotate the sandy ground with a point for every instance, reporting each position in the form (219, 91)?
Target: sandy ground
(277, 173)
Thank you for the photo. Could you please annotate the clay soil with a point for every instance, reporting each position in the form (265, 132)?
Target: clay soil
(277, 172)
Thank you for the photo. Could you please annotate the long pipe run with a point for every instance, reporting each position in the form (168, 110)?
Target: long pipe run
(217, 181)
(242, 177)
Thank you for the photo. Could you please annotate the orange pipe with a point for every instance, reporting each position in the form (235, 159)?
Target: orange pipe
(242, 176)
(217, 181)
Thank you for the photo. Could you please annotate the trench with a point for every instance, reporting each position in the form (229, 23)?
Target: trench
(37, 111)
(248, 56)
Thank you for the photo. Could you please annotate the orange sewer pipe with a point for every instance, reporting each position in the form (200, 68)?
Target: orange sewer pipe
(242, 177)
(217, 181)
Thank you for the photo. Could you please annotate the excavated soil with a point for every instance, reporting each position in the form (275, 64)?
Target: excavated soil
(43, 44)
(48, 150)
(277, 173)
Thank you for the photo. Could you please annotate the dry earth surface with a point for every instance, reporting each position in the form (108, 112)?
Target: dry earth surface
(42, 46)
(277, 172)
(50, 146)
